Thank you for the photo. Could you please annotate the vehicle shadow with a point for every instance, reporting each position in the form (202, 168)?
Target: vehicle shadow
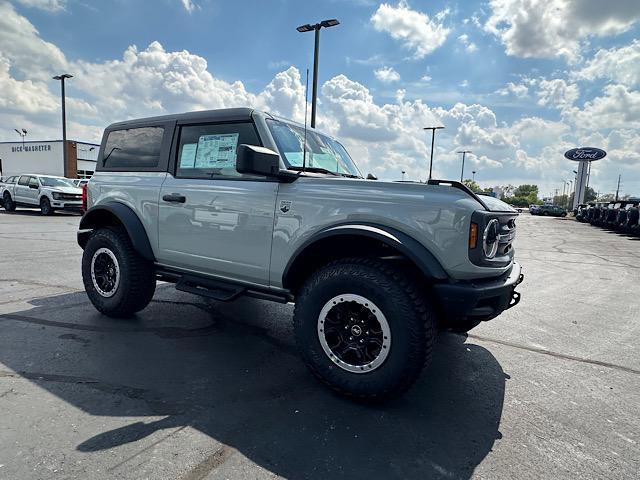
(235, 377)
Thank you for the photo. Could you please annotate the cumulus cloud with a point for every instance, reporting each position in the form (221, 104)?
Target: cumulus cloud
(557, 28)
(46, 5)
(387, 75)
(557, 93)
(619, 107)
(415, 30)
(469, 46)
(619, 65)
(518, 90)
(190, 6)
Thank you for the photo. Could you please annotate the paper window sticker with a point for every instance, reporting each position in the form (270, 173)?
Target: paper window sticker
(188, 155)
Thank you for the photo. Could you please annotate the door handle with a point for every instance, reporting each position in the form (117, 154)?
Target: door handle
(174, 198)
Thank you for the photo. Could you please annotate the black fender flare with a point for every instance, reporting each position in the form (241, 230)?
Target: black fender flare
(405, 244)
(96, 216)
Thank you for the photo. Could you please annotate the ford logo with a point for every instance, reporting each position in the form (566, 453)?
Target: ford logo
(585, 153)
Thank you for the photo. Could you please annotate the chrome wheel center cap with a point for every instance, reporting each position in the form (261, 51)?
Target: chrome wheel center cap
(356, 331)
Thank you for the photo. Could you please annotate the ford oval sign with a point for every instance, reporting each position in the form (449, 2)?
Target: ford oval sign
(585, 153)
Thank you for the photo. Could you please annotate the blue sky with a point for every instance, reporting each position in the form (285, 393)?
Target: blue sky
(516, 81)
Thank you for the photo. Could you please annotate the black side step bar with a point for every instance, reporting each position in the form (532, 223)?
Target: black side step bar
(223, 292)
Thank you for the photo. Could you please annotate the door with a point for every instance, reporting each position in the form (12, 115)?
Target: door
(21, 190)
(33, 191)
(213, 219)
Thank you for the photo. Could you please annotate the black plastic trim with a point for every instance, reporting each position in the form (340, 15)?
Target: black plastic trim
(459, 186)
(132, 224)
(408, 246)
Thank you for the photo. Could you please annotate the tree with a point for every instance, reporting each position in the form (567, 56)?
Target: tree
(473, 186)
(526, 190)
(522, 196)
(589, 195)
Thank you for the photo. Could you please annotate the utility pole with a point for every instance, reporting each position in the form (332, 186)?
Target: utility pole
(316, 49)
(64, 118)
(464, 153)
(618, 187)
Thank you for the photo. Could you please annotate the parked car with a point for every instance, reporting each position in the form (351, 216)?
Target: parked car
(533, 209)
(551, 210)
(243, 203)
(582, 211)
(4, 183)
(80, 182)
(47, 192)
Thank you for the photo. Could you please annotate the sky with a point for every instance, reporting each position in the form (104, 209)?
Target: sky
(517, 82)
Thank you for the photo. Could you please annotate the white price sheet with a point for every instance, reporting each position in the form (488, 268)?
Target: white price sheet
(217, 151)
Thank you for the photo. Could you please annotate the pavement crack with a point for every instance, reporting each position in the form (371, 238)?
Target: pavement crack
(563, 356)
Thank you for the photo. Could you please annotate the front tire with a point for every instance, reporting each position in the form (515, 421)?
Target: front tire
(45, 207)
(363, 328)
(118, 281)
(9, 204)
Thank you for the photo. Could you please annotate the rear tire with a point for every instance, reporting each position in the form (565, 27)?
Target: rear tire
(9, 204)
(363, 328)
(45, 207)
(118, 281)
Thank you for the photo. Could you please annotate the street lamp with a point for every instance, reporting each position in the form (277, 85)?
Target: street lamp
(403, 172)
(64, 118)
(433, 136)
(22, 133)
(464, 153)
(473, 178)
(308, 28)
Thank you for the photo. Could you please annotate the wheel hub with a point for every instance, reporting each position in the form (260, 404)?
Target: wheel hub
(354, 333)
(105, 272)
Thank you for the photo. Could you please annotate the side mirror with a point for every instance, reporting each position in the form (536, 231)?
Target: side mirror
(257, 160)
(35, 187)
(371, 176)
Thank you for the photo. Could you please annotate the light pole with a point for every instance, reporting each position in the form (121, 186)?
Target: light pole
(308, 28)
(464, 153)
(564, 185)
(64, 118)
(473, 178)
(433, 137)
(22, 133)
(570, 192)
(403, 172)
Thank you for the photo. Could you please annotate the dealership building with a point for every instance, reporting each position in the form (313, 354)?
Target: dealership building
(47, 158)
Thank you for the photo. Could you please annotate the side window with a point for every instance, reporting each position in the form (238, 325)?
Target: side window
(33, 182)
(24, 181)
(133, 148)
(207, 151)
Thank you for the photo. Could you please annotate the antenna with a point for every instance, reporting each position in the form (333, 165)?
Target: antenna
(306, 103)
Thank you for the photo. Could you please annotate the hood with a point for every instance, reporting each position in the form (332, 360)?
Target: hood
(71, 190)
(496, 205)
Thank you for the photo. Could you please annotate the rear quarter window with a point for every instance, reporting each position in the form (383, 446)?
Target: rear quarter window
(133, 148)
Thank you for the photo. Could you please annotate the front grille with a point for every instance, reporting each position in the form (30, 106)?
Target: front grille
(69, 196)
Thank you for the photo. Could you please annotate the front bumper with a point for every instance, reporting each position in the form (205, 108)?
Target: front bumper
(480, 299)
(72, 205)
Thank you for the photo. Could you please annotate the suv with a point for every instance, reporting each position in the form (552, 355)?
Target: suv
(45, 191)
(238, 202)
(551, 210)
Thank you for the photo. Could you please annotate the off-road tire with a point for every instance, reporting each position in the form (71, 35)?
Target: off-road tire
(137, 282)
(411, 320)
(45, 207)
(9, 204)
(463, 326)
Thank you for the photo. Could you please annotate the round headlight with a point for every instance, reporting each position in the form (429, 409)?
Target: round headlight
(490, 239)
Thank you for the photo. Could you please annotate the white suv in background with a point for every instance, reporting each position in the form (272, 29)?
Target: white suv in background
(47, 192)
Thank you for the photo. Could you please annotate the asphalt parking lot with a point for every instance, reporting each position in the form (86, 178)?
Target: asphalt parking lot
(194, 389)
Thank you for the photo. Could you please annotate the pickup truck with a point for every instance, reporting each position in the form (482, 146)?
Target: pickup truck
(49, 193)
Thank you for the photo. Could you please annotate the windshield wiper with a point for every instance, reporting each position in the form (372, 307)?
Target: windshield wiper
(350, 175)
(315, 170)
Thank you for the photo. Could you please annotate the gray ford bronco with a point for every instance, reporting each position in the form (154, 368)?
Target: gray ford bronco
(238, 202)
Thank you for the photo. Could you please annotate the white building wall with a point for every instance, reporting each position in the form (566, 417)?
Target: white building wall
(34, 157)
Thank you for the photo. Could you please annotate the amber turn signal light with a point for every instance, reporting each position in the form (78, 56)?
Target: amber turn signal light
(473, 235)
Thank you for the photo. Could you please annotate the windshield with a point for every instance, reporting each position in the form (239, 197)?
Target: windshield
(55, 182)
(321, 151)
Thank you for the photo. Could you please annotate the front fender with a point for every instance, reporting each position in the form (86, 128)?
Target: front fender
(116, 214)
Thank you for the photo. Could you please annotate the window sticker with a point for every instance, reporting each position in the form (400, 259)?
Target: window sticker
(188, 155)
(217, 151)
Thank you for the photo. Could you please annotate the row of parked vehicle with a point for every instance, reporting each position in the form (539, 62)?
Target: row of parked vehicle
(623, 216)
(46, 192)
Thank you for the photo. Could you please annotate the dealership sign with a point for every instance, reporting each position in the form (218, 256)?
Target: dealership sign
(31, 148)
(585, 153)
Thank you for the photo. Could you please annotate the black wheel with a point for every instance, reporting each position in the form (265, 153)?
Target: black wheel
(45, 206)
(363, 328)
(9, 204)
(118, 281)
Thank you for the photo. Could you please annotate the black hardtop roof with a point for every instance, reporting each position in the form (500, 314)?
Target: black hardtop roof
(223, 114)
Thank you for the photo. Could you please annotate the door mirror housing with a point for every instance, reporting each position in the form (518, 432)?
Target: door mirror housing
(257, 160)
(371, 176)
(31, 185)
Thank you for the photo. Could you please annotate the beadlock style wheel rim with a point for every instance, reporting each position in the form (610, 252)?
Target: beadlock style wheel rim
(105, 272)
(354, 333)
